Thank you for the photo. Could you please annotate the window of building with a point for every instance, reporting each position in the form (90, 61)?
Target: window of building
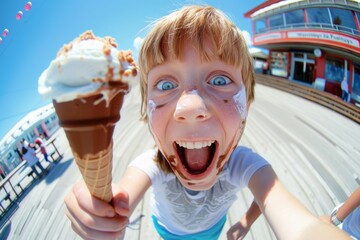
(279, 63)
(343, 19)
(260, 25)
(356, 80)
(295, 18)
(358, 17)
(276, 21)
(302, 67)
(298, 55)
(318, 17)
(335, 69)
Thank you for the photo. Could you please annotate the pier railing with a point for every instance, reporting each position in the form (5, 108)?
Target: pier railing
(323, 98)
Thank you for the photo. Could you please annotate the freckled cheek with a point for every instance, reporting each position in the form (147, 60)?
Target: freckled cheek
(228, 107)
(234, 108)
(155, 122)
(159, 124)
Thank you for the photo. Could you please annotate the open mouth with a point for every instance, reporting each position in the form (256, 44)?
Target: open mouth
(196, 157)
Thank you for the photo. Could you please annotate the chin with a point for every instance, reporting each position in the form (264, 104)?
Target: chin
(198, 186)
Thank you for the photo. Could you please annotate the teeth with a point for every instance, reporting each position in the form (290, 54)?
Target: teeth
(195, 145)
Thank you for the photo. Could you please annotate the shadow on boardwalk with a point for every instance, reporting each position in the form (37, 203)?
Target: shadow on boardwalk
(54, 173)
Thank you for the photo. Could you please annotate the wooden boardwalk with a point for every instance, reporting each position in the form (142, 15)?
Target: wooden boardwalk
(314, 151)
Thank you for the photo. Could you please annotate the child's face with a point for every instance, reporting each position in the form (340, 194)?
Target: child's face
(197, 113)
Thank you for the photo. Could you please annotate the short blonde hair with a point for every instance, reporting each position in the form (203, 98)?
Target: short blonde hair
(196, 24)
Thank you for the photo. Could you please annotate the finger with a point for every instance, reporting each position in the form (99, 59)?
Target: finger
(90, 203)
(121, 201)
(92, 221)
(88, 233)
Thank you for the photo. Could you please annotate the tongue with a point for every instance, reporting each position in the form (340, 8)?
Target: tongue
(197, 160)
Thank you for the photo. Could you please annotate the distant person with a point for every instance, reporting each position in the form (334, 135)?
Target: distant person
(40, 142)
(24, 143)
(265, 69)
(29, 155)
(345, 90)
(2, 173)
(18, 152)
(346, 215)
(23, 147)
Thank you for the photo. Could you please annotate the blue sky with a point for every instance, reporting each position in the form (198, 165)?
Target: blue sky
(34, 40)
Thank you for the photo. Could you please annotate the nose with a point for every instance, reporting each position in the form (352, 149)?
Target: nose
(191, 108)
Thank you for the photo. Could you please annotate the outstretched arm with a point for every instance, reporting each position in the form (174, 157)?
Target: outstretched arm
(136, 183)
(242, 227)
(92, 218)
(288, 218)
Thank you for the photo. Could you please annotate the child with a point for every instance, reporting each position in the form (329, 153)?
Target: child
(197, 85)
(32, 160)
(40, 142)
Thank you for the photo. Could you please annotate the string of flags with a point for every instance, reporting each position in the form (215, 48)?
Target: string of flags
(18, 17)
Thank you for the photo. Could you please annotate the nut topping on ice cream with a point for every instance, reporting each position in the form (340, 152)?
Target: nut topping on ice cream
(85, 67)
(87, 82)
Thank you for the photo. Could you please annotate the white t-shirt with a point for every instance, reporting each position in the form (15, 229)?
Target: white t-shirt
(30, 156)
(182, 211)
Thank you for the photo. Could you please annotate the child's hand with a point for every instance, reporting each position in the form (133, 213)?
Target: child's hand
(238, 231)
(92, 218)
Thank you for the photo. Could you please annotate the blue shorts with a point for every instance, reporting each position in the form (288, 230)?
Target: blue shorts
(211, 234)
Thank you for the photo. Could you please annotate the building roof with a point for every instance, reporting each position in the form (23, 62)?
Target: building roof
(261, 6)
(274, 4)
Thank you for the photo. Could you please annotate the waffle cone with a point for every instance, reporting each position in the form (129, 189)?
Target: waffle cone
(89, 125)
(96, 171)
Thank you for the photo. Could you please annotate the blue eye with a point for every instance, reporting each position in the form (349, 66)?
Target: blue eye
(165, 85)
(220, 80)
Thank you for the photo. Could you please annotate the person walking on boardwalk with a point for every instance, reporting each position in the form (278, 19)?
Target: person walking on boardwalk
(39, 141)
(2, 173)
(345, 89)
(29, 155)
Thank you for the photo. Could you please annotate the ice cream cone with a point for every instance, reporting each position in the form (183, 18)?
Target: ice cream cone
(89, 124)
(87, 82)
(96, 171)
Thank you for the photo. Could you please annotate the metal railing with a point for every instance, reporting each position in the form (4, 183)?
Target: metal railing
(317, 26)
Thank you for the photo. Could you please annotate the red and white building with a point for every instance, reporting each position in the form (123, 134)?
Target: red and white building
(40, 121)
(313, 42)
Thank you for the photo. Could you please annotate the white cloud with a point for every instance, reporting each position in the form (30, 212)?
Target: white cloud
(137, 43)
(247, 37)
